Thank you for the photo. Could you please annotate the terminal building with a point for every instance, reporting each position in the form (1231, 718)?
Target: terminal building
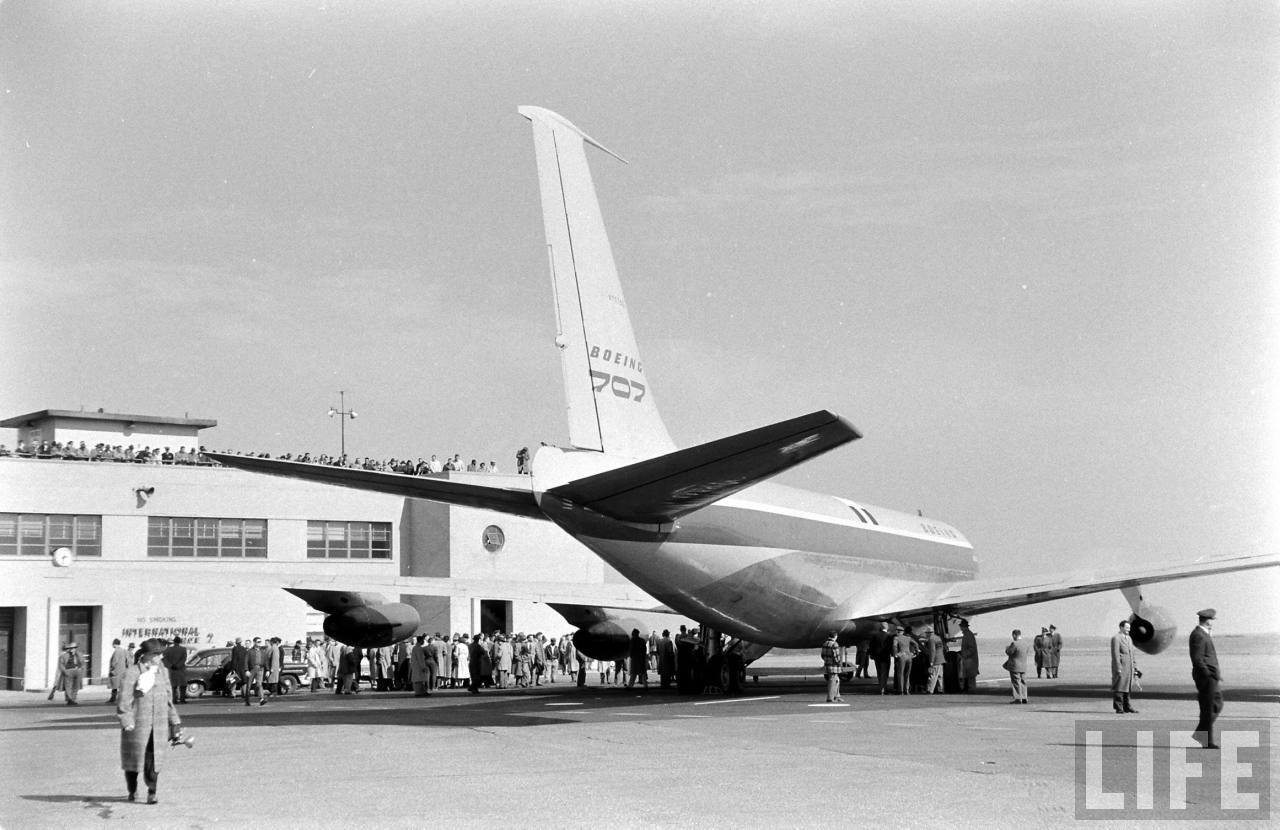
(92, 551)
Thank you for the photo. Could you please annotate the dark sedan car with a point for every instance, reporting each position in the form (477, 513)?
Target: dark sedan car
(207, 672)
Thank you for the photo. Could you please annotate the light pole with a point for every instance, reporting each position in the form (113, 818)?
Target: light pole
(343, 414)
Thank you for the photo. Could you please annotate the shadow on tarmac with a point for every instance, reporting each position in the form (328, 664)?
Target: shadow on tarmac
(104, 805)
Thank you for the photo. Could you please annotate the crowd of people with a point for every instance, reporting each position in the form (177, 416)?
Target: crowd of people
(71, 451)
(430, 663)
(195, 456)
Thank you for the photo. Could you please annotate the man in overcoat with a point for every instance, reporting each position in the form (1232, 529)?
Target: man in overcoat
(1124, 670)
(880, 650)
(418, 674)
(968, 658)
(1053, 657)
(174, 659)
(147, 718)
(71, 666)
(666, 660)
(117, 665)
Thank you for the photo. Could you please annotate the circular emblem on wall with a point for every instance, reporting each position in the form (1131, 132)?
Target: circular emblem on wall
(494, 539)
(63, 557)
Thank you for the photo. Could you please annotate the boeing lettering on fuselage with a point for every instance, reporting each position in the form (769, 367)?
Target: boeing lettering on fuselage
(701, 529)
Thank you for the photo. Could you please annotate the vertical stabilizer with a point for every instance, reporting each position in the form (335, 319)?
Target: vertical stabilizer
(610, 401)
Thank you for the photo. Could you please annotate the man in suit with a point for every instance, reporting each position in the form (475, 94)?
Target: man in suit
(174, 659)
(1019, 653)
(905, 648)
(1124, 670)
(253, 672)
(1204, 671)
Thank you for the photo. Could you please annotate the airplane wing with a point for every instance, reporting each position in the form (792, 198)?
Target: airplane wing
(664, 488)
(335, 593)
(329, 591)
(984, 596)
(515, 500)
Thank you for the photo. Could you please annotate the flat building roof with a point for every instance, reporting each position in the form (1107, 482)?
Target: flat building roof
(43, 415)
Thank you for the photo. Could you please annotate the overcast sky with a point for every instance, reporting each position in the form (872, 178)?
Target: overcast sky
(1029, 250)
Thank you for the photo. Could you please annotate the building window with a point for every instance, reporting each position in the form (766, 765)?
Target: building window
(29, 534)
(188, 537)
(348, 540)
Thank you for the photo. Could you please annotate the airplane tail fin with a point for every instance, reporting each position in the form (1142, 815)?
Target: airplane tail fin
(610, 402)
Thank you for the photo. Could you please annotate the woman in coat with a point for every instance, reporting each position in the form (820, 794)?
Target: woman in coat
(147, 718)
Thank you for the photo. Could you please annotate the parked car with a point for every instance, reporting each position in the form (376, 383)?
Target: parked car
(207, 671)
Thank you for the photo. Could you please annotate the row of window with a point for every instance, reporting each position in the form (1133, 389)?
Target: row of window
(28, 534)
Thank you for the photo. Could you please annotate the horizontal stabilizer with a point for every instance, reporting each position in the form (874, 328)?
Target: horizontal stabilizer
(664, 488)
(516, 500)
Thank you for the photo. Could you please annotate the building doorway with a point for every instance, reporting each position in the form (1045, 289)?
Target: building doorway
(11, 638)
(495, 615)
(78, 623)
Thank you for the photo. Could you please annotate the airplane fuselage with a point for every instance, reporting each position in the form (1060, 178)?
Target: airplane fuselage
(776, 565)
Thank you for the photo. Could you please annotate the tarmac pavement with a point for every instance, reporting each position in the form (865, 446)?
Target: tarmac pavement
(567, 757)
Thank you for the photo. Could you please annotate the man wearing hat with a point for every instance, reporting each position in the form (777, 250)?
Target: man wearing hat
(968, 658)
(1124, 670)
(935, 651)
(71, 664)
(831, 667)
(116, 668)
(175, 662)
(880, 650)
(1204, 671)
(147, 718)
(905, 648)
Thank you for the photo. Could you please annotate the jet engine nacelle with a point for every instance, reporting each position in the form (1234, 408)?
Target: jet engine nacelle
(607, 639)
(1152, 629)
(373, 626)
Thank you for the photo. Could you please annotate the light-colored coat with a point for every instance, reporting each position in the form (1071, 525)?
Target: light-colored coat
(116, 668)
(1123, 665)
(418, 664)
(1019, 654)
(151, 716)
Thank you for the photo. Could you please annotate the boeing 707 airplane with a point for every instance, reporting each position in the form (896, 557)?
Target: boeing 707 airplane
(701, 529)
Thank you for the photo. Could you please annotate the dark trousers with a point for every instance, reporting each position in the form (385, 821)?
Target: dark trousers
(1120, 700)
(882, 673)
(149, 774)
(1209, 696)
